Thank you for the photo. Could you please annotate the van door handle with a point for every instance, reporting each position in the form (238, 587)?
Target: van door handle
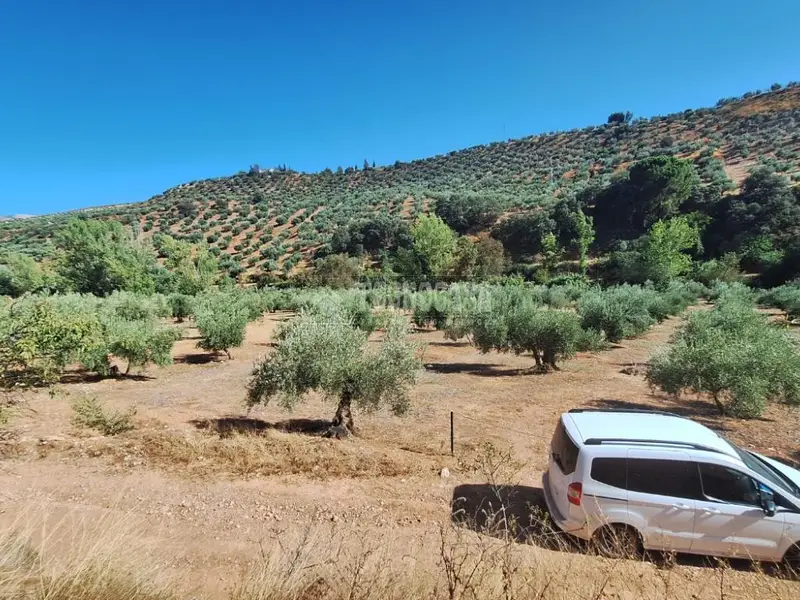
(681, 506)
(711, 511)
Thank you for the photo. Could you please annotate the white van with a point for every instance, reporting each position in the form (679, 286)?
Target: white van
(640, 480)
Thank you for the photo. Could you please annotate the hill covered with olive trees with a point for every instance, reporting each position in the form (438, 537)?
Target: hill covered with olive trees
(277, 220)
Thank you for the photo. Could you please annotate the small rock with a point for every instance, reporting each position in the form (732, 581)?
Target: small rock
(444, 473)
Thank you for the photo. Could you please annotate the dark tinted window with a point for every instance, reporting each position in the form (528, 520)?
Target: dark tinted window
(728, 485)
(674, 478)
(565, 452)
(610, 471)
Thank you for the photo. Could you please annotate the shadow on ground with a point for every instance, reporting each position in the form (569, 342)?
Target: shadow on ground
(227, 426)
(519, 513)
(200, 358)
(479, 369)
(89, 377)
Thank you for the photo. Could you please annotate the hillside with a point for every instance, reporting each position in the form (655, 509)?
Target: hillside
(276, 219)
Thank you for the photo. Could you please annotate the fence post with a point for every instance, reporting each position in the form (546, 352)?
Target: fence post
(452, 435)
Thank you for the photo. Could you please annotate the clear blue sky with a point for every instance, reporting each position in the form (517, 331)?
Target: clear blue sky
(117, 100)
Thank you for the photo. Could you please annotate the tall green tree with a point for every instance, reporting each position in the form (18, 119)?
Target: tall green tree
(434, 243)
(665, 254)
(584, 228)
(99, 257)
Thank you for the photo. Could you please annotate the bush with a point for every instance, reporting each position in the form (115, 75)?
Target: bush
(619, 313)
(785, 297)
(725, 269)
(89, 412)
(735, 355)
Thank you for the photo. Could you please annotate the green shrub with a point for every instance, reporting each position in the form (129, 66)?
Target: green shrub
(90, 413)
(735, 355)
(785, 297)
(620, 312)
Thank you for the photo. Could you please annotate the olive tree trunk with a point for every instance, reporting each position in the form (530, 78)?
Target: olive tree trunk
(342, 425)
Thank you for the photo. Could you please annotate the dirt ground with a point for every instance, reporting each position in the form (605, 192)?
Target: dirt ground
(208, 507)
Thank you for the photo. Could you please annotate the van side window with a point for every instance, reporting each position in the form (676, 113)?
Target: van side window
(610, 471)
(728, 485)
(674, 478)
(565, 452)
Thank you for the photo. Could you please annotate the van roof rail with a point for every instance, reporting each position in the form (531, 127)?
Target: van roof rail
(648, 442)
(643, 411)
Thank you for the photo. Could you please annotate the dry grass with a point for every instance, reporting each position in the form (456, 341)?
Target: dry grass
(82, 559)
(245, 455)
(76, 558)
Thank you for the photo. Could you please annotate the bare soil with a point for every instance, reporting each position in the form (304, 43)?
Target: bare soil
(211, 484)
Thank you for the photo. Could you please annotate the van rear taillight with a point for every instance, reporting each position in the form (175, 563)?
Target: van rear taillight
(575, 493)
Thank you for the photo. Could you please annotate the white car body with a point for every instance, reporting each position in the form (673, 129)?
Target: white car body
(680, 485)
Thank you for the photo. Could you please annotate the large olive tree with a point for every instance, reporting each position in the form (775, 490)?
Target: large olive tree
(322, 351)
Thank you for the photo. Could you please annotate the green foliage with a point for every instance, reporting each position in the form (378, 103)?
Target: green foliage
(337, 271)
(434, 245)
(551, 254)
(723, 269)
(522, 235)
(89, 412)
(37, 341)
(478, 260)
(654, 190)
(765, 207)
(664, 255)
(325, 353)
(785, 297)
(465, 213)
(20, 274)
(222, 319)
(140, 342)
(99, 257)
(735, 355)
(549, 335)
(181, 306)
(628, 311)
(585, 234)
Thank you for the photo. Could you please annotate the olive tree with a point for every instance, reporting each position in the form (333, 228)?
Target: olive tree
(222, 319)
(548, 335)
(733, 354)
(324, 352)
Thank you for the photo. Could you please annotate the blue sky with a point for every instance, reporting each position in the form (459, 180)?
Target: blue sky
(104, 102)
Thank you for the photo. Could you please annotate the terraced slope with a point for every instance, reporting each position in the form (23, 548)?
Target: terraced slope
(276, 219)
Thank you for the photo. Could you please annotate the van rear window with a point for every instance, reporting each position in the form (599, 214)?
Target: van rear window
(611, 471)
(564, 450)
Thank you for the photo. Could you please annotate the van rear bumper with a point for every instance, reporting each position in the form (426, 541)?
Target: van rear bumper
(567, 525)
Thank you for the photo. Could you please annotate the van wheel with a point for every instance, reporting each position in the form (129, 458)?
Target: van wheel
(791, 561)
(617, 541)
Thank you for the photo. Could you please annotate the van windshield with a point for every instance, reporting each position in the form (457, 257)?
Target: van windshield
(766, 470)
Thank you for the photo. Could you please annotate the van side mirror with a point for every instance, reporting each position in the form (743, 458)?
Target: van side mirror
(767, 501)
